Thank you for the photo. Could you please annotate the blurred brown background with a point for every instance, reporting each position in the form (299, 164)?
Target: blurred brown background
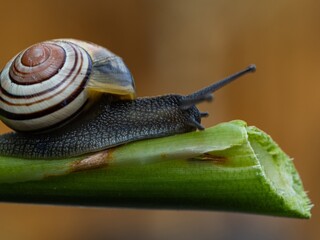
(180, 46)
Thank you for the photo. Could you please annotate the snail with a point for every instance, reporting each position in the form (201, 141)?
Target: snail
(67, 97)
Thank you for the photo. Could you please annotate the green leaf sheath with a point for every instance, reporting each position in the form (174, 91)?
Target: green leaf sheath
(228, 167)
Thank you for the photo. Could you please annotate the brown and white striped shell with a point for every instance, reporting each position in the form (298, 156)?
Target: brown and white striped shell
(49, 83)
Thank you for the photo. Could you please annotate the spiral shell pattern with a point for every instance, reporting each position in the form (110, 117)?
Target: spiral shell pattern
(44, 86)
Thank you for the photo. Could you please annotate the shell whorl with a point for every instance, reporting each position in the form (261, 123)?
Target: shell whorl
(44, 85)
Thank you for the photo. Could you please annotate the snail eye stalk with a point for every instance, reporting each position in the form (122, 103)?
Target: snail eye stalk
(205, 94)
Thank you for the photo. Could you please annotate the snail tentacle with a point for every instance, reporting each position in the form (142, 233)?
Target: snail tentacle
(192, 122)
(204, 94)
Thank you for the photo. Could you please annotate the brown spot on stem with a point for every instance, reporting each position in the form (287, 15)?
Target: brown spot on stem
(97, 160)
(213, 158)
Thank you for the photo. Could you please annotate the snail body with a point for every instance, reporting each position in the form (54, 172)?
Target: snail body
(99, 112)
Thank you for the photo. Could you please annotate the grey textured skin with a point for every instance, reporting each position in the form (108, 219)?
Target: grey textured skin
(106, 125)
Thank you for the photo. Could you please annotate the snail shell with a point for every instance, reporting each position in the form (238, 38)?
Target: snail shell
(48, 84)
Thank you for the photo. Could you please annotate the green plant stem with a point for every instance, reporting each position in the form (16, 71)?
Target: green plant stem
(227, 167)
